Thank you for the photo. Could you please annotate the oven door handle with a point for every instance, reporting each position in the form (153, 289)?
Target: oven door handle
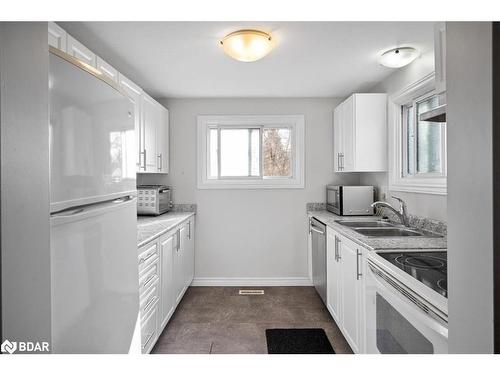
(386, 281)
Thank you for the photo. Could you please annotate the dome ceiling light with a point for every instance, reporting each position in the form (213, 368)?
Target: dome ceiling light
(247, 45)
(398, 57)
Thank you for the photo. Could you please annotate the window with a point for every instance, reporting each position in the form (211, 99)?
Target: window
(417, 149)
(423, 141)
(250, 152)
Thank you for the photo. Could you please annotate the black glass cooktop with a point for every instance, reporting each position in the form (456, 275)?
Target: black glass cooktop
(427, 267)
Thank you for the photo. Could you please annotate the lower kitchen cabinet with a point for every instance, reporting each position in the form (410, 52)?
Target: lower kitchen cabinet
(166, 269)
(345, 287)
(333, 276)
(180, 259)
(352, 289)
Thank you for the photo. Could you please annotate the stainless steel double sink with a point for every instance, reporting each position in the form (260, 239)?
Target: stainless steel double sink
(379, 228)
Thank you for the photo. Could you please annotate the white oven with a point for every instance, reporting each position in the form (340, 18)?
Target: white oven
(398, 319)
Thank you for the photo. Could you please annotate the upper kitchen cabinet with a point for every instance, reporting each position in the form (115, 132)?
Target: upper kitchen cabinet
(150, 117)
(360, 134)
(57, 36)
(154, 136)
(134, 92)
(106, 69)
(162, 141)
(440, 56)
(79, 51)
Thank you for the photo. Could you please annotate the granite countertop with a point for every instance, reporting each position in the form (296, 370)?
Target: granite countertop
(376, 243)
(151, 227)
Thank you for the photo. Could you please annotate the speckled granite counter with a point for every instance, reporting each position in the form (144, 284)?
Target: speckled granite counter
(374, 243)
(152, 227)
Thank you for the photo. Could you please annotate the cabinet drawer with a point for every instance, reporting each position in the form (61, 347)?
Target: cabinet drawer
(149, 276)
(147, 255)
(150, 299)
(148, 331)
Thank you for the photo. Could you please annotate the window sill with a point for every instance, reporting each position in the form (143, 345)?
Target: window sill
(250, 185)
(426, 186)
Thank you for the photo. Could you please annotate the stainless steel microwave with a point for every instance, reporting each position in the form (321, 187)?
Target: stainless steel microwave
(350, 200)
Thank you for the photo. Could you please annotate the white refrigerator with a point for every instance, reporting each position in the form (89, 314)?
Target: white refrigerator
(95, 300)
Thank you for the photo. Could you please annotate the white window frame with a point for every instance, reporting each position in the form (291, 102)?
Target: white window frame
(425, 183)
(295, 122)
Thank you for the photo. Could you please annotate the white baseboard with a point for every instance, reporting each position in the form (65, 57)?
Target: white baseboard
(251, 281)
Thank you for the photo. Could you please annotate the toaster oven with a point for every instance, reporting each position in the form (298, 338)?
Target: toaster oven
(153, 199)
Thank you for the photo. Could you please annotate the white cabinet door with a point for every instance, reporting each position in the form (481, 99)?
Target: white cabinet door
(162, 140)
(348, 134)
(134, 92)
(57, 36)
(333, 270)
(351, 293)
(150, 120)
(166, 276)
(106, 69)
(189, 252)
(79, 51)
(337, 138)
(370, 133)
(178, 265)
(360, 134)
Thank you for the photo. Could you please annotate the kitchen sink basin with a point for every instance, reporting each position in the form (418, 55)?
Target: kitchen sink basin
(388, 232)
(365, 224)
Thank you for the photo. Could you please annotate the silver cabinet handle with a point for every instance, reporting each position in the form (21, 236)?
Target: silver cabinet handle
(160, 164)
(144, 156)
(189, 227)
(358, 263)
(147, 340)
(338, 161)
(150, 302)
(148, 280)
(342, 160)
(336, 249)
(178, 239)
(142, 260)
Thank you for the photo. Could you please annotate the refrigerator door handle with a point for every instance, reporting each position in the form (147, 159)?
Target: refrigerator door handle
(84, 212)
(68, 213)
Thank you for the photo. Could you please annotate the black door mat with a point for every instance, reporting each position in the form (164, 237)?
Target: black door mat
(298, 341)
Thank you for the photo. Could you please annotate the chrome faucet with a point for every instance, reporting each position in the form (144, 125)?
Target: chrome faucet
(401, 213)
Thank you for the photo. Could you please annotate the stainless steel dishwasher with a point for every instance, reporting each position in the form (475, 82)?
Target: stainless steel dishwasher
(318, 241)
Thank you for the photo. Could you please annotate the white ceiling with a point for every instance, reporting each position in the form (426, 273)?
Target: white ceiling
(310, 59)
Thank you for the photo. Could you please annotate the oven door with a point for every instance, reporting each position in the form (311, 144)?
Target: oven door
(397, 321)
(333, 199)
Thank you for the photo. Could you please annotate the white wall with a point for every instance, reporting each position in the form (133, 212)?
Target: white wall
(426, 205)
(251, 233)
(25, 182)
(470, 187)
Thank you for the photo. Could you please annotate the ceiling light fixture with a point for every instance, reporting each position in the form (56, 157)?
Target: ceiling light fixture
(398, 57)
(247, 45)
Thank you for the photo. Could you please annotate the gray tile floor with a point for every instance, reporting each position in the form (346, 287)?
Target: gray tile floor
(218, 320)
